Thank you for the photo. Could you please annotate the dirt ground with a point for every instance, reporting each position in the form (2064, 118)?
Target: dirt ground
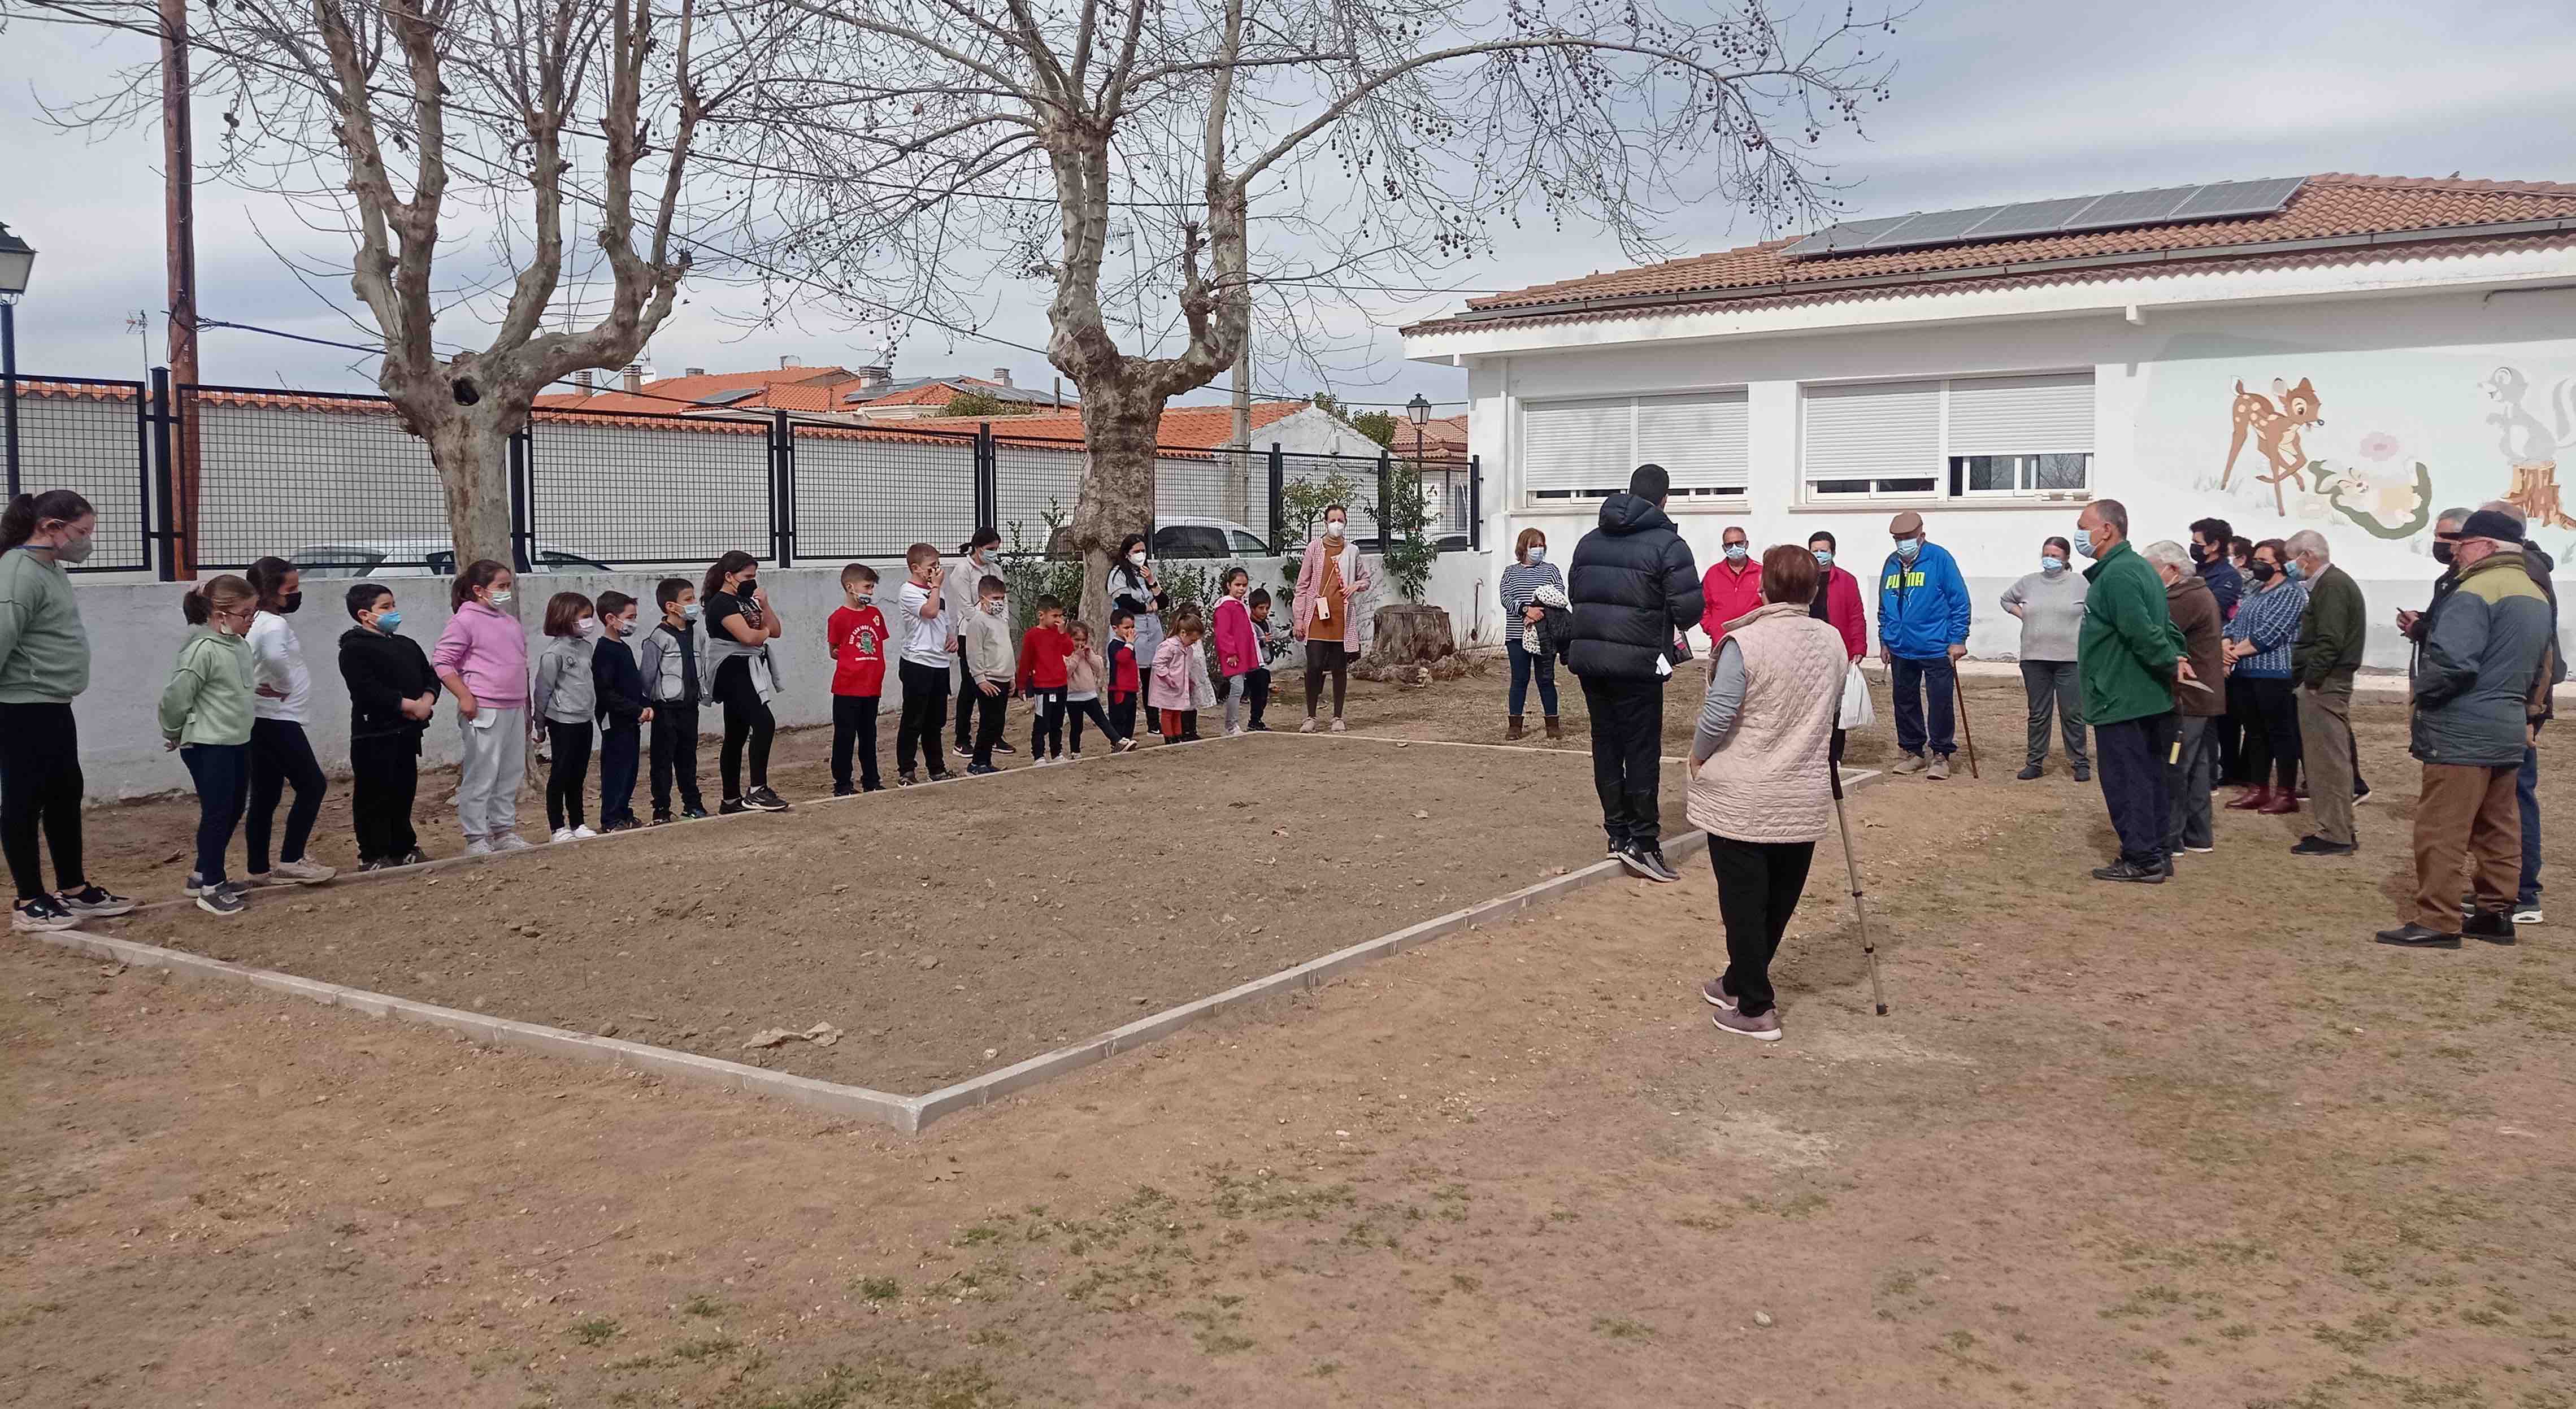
(945, 930)
(2198, 1144)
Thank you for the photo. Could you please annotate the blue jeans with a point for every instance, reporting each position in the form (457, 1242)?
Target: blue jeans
(1523, 666)
(2526, 791)
(1916, 681)
(222, 775)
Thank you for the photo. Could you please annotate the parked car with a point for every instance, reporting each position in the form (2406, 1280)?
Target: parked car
(1185, 537)
(416, 557)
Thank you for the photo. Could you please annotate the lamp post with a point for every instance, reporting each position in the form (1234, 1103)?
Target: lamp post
(1418, 410)
(17, 260)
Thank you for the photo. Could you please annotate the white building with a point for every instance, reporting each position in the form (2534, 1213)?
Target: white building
(2345, 353)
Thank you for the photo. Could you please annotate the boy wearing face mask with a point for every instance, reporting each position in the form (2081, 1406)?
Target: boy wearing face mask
(990, 664)
(965, 602)
(391, 695)
(562, 702)
(623, 711)
(668, 661)
(856, 633)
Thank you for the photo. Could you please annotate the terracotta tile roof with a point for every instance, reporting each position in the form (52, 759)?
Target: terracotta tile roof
(1183, 427)
(2331, 205)
(679, 395)
(1443, 438)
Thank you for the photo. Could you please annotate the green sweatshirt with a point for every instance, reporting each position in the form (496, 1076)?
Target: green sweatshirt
(44, 653)
(2330, 635)
(208, 698)
(2126, 649)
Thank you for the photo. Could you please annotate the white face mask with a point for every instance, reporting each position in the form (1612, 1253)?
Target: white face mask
(502, 597)
(589, 628)
(993, 607)
(689, 612)
(1137, 558)
(1332, 528)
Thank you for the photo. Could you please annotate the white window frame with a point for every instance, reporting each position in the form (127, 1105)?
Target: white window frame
(1734, 496)
(1945, 465)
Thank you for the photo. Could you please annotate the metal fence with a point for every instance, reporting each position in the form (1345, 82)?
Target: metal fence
(334, 482)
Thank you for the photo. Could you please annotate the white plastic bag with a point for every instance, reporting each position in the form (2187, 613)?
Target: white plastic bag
(1857, 712)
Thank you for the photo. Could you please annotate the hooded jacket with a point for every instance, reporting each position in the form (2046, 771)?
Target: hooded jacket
(1633, 588)
(2481, 679)
(383, 670)
(1922, 605)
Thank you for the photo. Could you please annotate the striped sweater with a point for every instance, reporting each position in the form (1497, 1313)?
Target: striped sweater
(1521, 581)
(2269, 619)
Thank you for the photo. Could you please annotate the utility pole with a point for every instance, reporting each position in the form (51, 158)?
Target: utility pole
(178, 177)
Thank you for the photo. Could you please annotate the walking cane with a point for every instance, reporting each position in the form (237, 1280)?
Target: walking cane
(1966, 734)
(1852, 864)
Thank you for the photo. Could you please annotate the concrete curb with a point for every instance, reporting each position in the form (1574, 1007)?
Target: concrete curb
(907, 1114)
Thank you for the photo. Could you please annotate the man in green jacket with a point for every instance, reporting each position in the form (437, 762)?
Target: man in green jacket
(2321, 669)
(2127, 658)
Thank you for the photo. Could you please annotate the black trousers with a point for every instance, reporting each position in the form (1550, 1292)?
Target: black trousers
(384, 775)
(1758, 884)
(1122, 718)
(2268, 711)
(222, 774)
(1325, 658)
(675, 756)
(2131, 758)
(747, 721)
(621, 746)
(570, 745)
(40, 792)
(280, 756)
(996, 708)
(1627, 757)
(1046, 722)
(967, 695)
(1075, 711)
(1256, 692)
(854, 720)
(925, 709)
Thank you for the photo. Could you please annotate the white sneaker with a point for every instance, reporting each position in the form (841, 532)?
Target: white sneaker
(303, 873)
(1340, 728)
(1074, 757)
(511, 841)
(583, 834)
(1308, 727)
(562, 835)
(1235, 733)
(478, 847)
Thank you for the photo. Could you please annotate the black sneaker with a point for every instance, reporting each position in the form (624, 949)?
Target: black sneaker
(941, 775)
(1004, 748)
(93, 900)
(41, 913)
(1663, 869)
(2414, 936)
(978, 770)
(413, 857)
(1642, 862)
(366, 866)
(730, 806)
(2361, 796)
(622, 824)
(845, 790)
(765, 800)
(227, 899)
(871, 787)
(2083, 774)
(2493, 926)
(692, 813)
(2132, 873)
(907, 780)
(2314, 845)
(2030, 771)
(661, 819)
(1258, 727)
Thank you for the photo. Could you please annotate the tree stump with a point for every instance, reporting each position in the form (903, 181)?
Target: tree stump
(2535, 492)
(1410, 633)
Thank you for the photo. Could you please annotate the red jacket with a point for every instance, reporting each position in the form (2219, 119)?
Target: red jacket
(1042, 653)
(1729, 594)
(1123, 684)
(1843, 612)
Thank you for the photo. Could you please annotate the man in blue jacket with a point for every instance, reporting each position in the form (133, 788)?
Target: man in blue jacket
(1922, 632)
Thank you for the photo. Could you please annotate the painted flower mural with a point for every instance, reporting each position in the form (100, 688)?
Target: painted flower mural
(2378, 446)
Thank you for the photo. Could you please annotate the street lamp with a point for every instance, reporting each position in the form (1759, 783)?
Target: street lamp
(1418, 410)
(17, 261)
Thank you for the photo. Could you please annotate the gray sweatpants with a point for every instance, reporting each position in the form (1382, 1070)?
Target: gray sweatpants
(2053, 688)
(496, 762)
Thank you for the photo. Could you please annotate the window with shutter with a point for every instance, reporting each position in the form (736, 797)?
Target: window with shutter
(1965, 437)
(1577, 449)
(1699, 440)
(1587, 449)
(1873, 440)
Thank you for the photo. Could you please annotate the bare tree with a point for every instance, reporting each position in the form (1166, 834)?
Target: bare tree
(1281, 154)
(412, 129)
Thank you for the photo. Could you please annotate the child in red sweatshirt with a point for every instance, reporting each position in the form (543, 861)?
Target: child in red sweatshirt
(856, 634)
(1126, 681)
(1043, 648)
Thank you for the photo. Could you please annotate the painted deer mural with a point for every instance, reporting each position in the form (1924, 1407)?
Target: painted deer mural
(2275, 430)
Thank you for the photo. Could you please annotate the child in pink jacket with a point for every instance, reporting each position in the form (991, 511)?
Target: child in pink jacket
(1169, 688)
(1238, 646)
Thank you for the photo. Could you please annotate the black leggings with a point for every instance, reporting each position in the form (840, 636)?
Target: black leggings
(746, 719)
(1758, 884)
(280, 756)
(1079, 710)
(40, 790)
(2270, 715)
(1322, 658)
(571, 749)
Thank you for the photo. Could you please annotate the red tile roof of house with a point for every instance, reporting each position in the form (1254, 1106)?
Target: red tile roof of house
(676, 395)
(1183, 427)
(2329, 206)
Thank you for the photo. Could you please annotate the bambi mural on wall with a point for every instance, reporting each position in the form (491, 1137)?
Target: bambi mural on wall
(2379, 497)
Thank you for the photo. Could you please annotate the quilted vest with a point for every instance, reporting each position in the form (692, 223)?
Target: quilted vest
(1767, 781)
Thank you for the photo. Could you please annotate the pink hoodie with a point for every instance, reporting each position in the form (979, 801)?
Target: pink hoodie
(490, 650)
(1238, 651)
(1170, 687)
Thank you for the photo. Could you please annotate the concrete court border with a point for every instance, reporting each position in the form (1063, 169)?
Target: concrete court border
(908, 1115)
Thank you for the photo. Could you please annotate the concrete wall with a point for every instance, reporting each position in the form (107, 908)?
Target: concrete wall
(2429, 400)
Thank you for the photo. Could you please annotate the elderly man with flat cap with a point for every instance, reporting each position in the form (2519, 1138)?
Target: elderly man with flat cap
(1922, 632)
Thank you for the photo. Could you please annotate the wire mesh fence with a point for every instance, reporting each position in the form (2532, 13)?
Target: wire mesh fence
(338, 484)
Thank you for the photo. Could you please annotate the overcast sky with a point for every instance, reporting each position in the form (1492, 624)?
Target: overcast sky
(1995, 100)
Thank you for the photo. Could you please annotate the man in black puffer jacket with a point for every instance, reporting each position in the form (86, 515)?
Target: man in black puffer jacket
(1634, 590)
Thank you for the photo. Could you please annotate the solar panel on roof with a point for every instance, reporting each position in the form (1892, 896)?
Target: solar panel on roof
(1850, 235)
(2031, 218)
(1940, 227)
(2131, 208)
(2227, 199)
(727, 398)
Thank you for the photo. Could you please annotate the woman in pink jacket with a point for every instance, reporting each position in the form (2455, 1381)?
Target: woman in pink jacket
(482, 659)
(1238, 646)
(1328, 582)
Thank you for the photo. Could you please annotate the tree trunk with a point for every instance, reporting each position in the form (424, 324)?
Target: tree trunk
(1118, 426)
(472, 453)
(1412, 634)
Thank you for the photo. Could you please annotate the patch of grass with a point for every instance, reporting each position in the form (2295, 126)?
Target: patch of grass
(1326, 1369)
(1463, 1282)
(1216, 1341)
(1622, 1328)
(599, 1330)
(879, 1288)
(637, 1362)
(2368, 1329)
(706, 1348)
(1703, 1223)
(1806, 1203)
(704, 1305)
(2236, 1331)
(979, 1234)
(894, 1386)
(1900, 1282)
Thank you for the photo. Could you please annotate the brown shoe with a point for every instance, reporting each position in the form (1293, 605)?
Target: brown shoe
(2253, 799)
(1515, 731)
(1555, 730)
(2279, 804)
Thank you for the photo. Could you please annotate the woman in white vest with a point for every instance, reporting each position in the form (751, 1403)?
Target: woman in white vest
(1760, 781)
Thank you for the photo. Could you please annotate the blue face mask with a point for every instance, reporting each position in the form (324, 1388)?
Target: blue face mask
(1736, 552)
(1538, 553)
(389, 623)
(2052, 563)
(1906, 548)
(1824, 557)
(2084, 546)
(2296, 572)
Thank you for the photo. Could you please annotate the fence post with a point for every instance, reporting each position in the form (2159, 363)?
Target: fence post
(158, 421)
(1385, 496)
(988, 478)
(522, 476)
(1475, 503)
(782, 487)
(1278, 499)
